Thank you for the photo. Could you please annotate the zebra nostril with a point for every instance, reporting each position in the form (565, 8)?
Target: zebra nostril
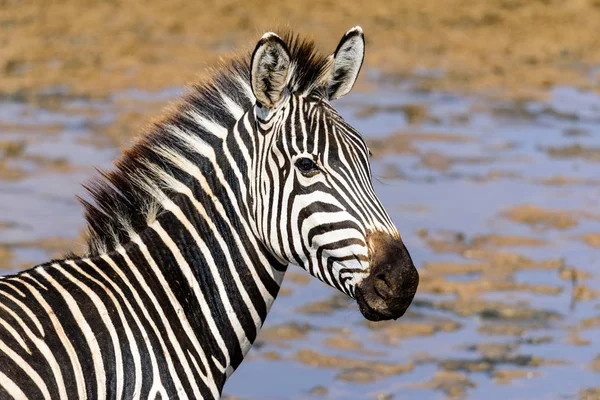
(383, 278)
(383, 286)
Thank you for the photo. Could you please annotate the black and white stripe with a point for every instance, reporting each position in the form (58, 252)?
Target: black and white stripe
(189, 238)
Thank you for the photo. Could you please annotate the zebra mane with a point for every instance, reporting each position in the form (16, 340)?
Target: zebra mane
(121, 204)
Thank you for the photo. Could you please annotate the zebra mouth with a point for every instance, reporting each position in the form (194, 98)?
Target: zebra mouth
(376, 309)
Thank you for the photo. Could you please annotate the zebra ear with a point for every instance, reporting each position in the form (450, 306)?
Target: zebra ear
(269, 69)
(347, 60)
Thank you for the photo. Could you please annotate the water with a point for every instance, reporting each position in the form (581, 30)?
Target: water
(511, 315)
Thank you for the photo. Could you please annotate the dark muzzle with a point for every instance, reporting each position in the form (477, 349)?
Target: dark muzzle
(392, 282)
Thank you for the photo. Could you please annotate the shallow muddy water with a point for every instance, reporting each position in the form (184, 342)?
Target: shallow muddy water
(498, 203)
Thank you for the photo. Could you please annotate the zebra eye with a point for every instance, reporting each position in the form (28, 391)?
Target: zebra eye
(306, 165)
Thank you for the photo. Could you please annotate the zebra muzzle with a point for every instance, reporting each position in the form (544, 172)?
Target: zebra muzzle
(392, 282)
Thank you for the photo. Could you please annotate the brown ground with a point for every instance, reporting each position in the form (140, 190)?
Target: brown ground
(520, 47)
(541, 218)
(355, 370)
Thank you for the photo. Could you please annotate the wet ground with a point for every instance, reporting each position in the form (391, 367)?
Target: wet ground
(498, 202)
(512, 47)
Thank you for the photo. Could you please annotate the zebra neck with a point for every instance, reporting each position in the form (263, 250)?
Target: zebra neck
(204, 245)
(178, 210)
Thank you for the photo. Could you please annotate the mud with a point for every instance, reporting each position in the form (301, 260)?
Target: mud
(540, 218)
(507, 376)
(592, 240)
(590, 393)
(286, 332)
(453, 384)
(328, 306)
(96, 49)
(354, 370)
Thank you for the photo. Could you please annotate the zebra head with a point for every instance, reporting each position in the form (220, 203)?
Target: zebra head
(311, 190)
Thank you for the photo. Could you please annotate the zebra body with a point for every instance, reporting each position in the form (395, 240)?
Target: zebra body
(190, 237)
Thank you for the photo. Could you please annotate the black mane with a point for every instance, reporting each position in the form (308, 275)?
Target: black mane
(120, 205)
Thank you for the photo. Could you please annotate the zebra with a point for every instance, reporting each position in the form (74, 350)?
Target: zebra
(189, 237)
